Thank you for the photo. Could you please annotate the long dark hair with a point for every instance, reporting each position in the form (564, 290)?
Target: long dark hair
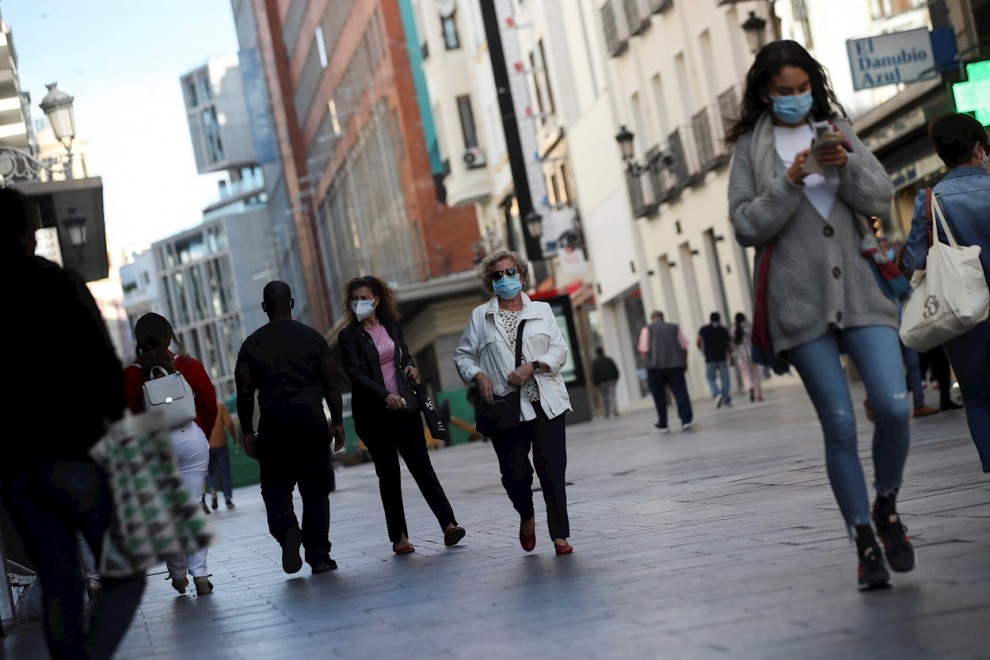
(387, 309)
(153, 335)
(739, 334)
(769, 61)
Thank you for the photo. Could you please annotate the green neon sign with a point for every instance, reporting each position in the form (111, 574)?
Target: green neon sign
(974, 94)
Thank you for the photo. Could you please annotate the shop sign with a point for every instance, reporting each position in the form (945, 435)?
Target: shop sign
(889, 59)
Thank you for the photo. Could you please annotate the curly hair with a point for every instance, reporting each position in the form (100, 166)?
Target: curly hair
(768, 63)
(387, 309)
(488, 267)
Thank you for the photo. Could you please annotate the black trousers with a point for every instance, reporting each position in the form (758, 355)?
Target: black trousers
(395, 434)
(937, 361)
(291, 456)
(47, 505)
(546, 437)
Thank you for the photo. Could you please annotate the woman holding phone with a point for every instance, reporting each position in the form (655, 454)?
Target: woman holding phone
(817, 284)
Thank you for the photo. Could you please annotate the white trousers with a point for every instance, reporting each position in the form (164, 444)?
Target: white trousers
(192, 456)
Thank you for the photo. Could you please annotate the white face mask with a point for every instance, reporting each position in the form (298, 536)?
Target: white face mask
(362, 308)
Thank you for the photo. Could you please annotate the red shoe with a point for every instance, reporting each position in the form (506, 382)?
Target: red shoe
(403, 549)
(564, 549)
(527, 541)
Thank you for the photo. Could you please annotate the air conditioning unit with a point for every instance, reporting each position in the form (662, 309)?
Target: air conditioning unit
(474, 158)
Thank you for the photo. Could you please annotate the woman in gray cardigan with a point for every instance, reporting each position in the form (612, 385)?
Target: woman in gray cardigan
(818, 296)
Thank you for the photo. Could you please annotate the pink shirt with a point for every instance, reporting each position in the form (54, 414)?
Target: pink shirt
(386, 355)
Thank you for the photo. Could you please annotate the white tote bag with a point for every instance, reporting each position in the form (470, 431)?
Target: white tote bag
(948, 298)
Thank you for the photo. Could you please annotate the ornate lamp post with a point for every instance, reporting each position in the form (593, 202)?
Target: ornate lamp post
(18, 164)
(755, 29)
(625, 139)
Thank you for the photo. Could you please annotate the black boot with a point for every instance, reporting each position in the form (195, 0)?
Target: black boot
(872, 572)
(896, 543)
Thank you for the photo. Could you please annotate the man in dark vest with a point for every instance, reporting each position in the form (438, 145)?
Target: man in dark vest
(664, 349)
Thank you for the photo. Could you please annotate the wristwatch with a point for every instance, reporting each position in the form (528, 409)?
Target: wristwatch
(536, 366)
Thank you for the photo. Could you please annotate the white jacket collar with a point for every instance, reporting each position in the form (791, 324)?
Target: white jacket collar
(528, 308)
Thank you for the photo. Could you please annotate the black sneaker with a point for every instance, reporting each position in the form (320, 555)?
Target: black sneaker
(896, 543)
(872, 572)
(324, 566)
(291, 561)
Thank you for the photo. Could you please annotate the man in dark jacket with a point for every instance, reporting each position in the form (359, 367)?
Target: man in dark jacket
(604, 374)
(291, 367)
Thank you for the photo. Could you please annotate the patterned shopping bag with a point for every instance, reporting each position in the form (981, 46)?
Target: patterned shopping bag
(154, 516)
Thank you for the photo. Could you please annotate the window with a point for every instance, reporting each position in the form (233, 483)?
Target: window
(467, 122)
(189, 85)
(321, 47)
(448, 25)
(615, 42)
(541, 74)
(214, 144)
(635, 22)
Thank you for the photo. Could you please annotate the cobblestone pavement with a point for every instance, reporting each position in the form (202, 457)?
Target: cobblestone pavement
(723, 542)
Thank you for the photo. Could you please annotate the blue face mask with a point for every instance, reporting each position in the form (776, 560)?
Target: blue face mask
(507, 287)
(792, 109)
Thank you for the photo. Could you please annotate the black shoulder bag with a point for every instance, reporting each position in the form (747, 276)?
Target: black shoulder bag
(502, 414)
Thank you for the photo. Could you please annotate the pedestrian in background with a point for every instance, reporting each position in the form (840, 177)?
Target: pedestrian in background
(713, 341)
(818, 290)
(742, 353)
(604, 375)
(664, 349)
(290, 366)
(153, 335)
(219, 469)
(964, 196)
(50, 486)
(486, 359)
(375, 357)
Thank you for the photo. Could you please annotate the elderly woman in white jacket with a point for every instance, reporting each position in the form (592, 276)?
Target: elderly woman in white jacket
(486, 359)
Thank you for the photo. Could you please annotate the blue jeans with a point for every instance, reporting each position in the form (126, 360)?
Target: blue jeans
(912, 361)
(970, 359)
(876, 352)
(218, 474)
(722, 369)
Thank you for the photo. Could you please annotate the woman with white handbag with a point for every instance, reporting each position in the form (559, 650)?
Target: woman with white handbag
(960, 207)
(153, 334)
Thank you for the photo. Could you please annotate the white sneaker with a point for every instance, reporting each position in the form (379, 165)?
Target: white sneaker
(664, 430)
(687, 427)
(718, 400)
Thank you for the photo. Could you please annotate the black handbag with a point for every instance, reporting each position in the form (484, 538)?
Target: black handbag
(405, 385)
(438, 429)
(502, 414)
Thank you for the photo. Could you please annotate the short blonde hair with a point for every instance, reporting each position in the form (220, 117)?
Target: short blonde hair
(488, 267)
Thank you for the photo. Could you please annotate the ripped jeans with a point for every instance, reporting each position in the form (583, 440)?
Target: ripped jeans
(876, 352)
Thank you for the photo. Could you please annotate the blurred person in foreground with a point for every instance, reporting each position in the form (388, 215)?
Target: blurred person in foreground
(818, 293)
(291, 367)
(964, 196)
(374, 355)
(52, 488)
(485, 358)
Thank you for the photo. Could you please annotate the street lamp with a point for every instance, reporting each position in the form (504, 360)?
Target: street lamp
(755, 29)
(57, 106)
(75, 225)
(534, 224)
(18, 164)
(625, 139)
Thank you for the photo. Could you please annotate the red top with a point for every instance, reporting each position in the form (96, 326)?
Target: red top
(194, 373)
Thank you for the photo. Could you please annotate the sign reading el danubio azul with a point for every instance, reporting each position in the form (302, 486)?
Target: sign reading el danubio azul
(888, 59)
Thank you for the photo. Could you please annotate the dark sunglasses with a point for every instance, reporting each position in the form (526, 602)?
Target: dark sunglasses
(499, 274)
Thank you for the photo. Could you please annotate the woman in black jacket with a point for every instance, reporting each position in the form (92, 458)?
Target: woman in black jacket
(376, 360)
